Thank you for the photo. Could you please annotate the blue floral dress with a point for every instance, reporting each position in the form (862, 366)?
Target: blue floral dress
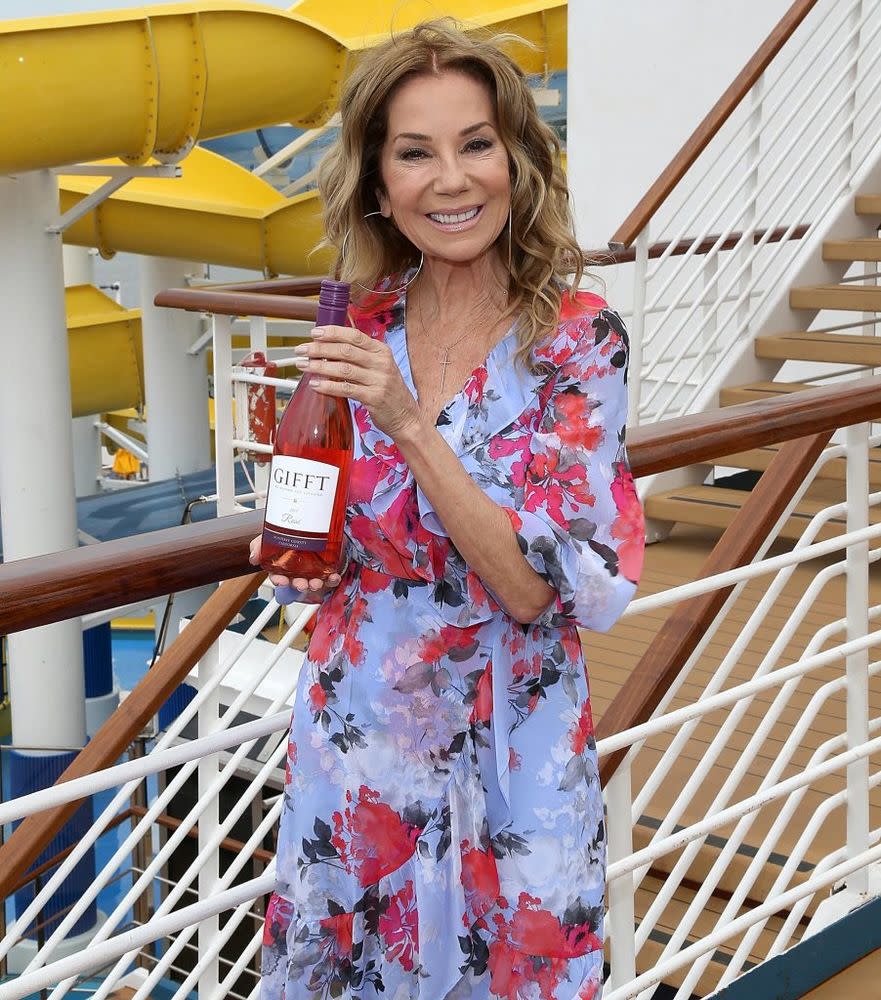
(442, 832)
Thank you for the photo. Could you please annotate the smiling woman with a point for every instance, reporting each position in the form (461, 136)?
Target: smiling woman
(442, 835)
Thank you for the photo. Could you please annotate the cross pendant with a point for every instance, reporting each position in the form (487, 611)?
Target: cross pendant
(444, 365)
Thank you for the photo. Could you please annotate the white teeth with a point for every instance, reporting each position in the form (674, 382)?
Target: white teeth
(458, 217)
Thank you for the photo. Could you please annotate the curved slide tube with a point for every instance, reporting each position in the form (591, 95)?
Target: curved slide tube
(216, 213)
(152, 81)
(359, 25)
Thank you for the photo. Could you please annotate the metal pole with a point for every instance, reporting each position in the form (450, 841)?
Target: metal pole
(209, 768)
(857, 602)
(37, 497)
(175, 381)
(143, 907)
(622, 916)
(750, 193)
(637, 327)
(223, 419)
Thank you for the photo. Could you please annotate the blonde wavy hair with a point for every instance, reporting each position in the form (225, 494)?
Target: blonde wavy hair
(545, 258)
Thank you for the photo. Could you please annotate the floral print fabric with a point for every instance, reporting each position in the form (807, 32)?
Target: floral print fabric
(442, 832)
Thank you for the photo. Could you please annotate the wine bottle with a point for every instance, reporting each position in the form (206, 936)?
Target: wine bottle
(309, 476)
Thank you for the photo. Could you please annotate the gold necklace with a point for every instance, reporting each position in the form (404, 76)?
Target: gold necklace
(445, 363)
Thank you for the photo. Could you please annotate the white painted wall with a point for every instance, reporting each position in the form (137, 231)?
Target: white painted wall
(642, 74)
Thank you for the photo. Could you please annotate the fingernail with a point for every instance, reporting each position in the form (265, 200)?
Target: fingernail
(300, 350)
(288, 595)
(301, 362)
(317, 332)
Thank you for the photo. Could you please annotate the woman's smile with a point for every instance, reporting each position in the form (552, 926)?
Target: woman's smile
(456, 221)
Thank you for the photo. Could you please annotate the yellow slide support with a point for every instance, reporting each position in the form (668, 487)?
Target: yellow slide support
(106, 359)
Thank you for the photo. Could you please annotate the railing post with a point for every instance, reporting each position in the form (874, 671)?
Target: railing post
(637, 326)
(751, 188)
(857, 600)
(622, 914)
(209, 768)
(260, 342)
(854, 24)
(223, 419)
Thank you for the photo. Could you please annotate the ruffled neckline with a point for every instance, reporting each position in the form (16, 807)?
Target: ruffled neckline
(495, 393)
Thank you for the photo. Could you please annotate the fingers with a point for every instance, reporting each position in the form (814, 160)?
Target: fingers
(290, 590)
(254, 551)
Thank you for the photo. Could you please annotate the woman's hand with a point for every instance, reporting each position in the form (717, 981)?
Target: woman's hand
(346, 362)
(307, 588)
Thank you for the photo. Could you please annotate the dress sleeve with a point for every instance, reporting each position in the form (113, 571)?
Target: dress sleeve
(580, 523)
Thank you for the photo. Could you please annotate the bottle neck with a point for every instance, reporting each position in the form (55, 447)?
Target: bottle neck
(331, 315)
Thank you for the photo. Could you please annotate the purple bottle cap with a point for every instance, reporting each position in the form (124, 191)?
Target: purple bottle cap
(333, 303)
(334, 294)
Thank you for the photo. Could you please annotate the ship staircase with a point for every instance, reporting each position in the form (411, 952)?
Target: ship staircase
(738, 703)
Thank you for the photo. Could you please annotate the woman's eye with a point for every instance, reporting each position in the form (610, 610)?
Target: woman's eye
(478, 145)
(412, 154)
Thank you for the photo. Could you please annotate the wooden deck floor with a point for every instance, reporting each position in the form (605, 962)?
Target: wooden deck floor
(613, 655)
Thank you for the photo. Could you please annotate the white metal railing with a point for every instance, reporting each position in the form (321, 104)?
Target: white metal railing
(782, 162)
(798, 665)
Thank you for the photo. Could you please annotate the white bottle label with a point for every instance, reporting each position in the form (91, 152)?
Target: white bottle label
(301, 494)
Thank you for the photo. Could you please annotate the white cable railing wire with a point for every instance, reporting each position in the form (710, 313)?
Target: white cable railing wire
(809, 135)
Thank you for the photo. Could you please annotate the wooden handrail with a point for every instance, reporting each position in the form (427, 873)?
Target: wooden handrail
(34, 832)
(680, 634)
(601, 258)
(236, 303)
(93, 578)
(721, 111)
(98, 577)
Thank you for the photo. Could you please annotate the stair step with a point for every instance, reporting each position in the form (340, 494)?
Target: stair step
(862, 249)
(671, 917)
(837, 348)
(735, 871)
(850, 297)
(715, 507)
(749, 393)
(758, 459)
(868, 204)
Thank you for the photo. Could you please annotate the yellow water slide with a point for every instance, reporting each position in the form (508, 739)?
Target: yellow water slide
(216, 213)
(153, 81)
(359, 25)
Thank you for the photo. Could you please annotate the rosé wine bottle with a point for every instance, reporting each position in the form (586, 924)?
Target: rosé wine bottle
(309, 476)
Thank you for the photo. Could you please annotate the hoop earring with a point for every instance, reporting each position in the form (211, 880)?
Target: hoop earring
(383, 291)
(510, 240)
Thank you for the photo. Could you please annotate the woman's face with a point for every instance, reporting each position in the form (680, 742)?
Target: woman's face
(444, 168)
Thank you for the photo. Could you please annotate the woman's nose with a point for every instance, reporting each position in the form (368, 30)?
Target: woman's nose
(451, 177)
